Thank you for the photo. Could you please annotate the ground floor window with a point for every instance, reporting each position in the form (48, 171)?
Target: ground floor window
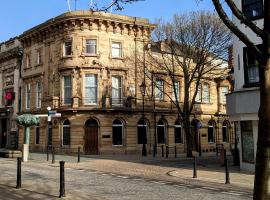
(117, 132)
(142, 132)
(225, 131)
(247, 141)
(161, 132)
(66, 133)
(211, 132)
(178, 132)
(37, 134)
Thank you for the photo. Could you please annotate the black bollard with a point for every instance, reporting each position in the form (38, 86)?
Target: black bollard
(53, 155)
(62, 179)
(162, 150)
(167, 151)
(175, 152)
(19, 173)
(227, 174)
(48, 155)
(194, 167)
(79, 154)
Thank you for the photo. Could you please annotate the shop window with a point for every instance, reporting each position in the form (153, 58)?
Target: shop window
(247, 141)
(225, 131)
(37, 134)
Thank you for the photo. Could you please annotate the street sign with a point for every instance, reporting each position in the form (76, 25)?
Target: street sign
(52, 112)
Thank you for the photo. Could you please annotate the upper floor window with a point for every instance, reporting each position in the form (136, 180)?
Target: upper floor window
(159, 90)
(90, 89)
(27, 96)
(116, 90)
(39, 58)
(68, 48)
(67, 89)
(91, 46)
(38, 94)
(27, 60)
(175, 91)
(222, 94)
(116, 49)
(251, 67)
(253, 9)
(203, 93)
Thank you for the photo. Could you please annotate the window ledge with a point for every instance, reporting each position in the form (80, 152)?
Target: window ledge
(38, 65)
(117, 58)
(68, 56)
(89, 55)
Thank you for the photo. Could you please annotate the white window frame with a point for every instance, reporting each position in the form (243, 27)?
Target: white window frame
(176, 83)
(38, 94)
(120, 90)
(90, 39)
(96, 87)
(159, 90)
(222, 94)
(120, 49)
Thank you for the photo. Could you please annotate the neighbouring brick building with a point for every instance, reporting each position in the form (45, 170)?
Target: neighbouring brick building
(84, 65)
(10, 62)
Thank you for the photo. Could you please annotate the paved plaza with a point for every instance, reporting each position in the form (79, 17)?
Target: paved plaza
(124, 177)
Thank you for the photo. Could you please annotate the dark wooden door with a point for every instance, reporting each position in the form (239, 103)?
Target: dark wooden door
(91, 138)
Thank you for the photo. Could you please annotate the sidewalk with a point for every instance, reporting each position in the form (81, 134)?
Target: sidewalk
(170, 169)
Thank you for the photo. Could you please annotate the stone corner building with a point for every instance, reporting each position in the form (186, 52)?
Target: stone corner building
(10, 63)
(84, 65)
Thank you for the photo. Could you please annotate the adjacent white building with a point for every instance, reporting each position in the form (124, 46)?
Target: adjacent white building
(243, 104)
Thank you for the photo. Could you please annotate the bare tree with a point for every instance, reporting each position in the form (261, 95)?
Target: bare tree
(191, 46)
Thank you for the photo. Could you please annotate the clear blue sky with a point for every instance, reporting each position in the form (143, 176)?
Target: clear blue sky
(16, 16)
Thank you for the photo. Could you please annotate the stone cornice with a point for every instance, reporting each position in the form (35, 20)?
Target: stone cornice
(79, 20)
(12, 53)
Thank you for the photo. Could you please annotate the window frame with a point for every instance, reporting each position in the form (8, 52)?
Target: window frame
(211, 125)
(159, 89)
(178, 124)
(28, 96)
(65, 46)
(247, 81)
(89, 87)
(120, 48)
(146, 131)
(64, 92)
(37, 127)
(38, 94)
(96, 42)
(122, 132)
(244, 7)
(69, 128)
(119, 89)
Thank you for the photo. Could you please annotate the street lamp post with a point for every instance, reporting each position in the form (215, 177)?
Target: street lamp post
(49, 129)
(143, 88)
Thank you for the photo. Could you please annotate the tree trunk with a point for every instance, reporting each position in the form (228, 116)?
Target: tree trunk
(189, 136)
(262, 170)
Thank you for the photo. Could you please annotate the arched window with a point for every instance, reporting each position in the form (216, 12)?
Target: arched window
(117, 132)
(225, 131)
(211, 131)
(178, 138)
(161, 131)
(142, 132)
(66, 133)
